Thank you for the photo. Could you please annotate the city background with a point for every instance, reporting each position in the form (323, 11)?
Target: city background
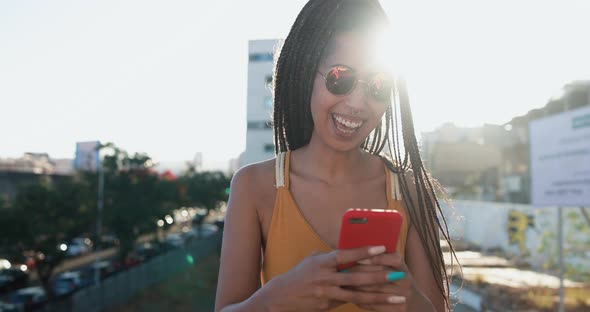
(173, 99)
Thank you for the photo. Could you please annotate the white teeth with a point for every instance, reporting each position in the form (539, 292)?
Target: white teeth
(347, 123)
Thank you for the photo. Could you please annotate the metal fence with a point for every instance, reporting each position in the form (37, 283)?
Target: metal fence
(121, 287)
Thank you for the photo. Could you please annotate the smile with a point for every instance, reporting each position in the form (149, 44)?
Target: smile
(346, 125)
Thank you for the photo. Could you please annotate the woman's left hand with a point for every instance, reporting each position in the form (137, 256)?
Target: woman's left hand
(401, 283)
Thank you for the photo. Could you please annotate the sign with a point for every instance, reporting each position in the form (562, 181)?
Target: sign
(560, 159)
(87, 156)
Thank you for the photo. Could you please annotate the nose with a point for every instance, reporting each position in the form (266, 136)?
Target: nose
(357, 100)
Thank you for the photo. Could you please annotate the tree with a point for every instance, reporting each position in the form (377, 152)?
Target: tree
(135, 196)
(46, 215)
(204, 189)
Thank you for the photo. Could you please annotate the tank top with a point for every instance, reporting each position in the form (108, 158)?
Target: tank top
(291, 238)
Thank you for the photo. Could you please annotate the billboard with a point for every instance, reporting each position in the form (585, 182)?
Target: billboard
(560, 159)
(87, 156)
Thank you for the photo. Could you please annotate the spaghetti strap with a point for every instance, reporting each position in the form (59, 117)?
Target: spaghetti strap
(280, 170)
(287, 168)
(393, 187)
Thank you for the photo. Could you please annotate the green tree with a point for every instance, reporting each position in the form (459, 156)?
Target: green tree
(135, 197)
(46, 215)
(204, 189)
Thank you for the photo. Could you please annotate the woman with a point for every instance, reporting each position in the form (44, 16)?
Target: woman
(335, 110)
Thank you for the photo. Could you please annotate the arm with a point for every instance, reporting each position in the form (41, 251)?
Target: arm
(429, 294)
(239, 269)
(418, 263)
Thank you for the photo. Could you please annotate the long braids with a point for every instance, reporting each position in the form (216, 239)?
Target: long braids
(295, 70)
(291, 89)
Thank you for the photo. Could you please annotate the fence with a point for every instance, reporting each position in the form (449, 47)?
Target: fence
(121, 287)
(522, 231)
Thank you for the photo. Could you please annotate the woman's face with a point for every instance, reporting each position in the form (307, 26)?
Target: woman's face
(343, 122)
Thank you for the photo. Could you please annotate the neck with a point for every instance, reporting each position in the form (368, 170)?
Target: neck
(334, 166)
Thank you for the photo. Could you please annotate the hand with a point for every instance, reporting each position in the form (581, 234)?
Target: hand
(403, 288)
(316, 285)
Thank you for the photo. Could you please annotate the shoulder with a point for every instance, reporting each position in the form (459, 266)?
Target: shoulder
(260, 172)
(257, 178)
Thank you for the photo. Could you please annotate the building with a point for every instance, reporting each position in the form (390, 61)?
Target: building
(259, 135)
(492, 162)
(515, 170)
(466, 161)
(29, 169)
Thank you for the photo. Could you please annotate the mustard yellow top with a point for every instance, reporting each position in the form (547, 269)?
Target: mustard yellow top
(291, 238)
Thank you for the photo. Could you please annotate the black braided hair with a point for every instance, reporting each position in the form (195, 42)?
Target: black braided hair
(295, 70)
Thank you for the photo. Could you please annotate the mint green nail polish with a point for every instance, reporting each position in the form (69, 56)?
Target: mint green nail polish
(344, 271)
(395, 276)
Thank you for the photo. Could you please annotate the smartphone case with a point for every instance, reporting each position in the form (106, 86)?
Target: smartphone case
(369, 227)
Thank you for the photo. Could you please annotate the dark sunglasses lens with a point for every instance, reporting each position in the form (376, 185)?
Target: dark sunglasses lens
(340, 80)
(381, 87)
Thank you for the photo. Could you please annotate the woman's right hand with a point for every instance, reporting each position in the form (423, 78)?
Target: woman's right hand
(316, 285)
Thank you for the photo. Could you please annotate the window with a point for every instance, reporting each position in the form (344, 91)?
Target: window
(261, 57)
(268, 102)
(269, 148)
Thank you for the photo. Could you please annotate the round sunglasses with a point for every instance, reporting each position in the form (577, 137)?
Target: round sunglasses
(341, 80)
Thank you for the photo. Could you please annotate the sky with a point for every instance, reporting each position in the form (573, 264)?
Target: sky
(169, 78)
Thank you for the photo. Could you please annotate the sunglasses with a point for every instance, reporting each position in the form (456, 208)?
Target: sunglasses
(341, 80)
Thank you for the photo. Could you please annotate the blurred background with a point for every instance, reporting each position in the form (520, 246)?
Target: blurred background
(123, 122)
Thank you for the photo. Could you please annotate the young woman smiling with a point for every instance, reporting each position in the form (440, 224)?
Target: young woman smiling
(344, 138)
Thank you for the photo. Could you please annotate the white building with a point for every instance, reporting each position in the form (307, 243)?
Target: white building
(259, 137)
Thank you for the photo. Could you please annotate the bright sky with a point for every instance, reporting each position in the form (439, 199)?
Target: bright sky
(169, 77)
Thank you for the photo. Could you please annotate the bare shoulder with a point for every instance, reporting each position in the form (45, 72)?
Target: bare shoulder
(255, 181)
(239, 270)
(260, 172)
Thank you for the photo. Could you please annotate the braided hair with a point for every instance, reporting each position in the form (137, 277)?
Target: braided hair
(295, 68)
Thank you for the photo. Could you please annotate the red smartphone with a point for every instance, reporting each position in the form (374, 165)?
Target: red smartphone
(369, 227)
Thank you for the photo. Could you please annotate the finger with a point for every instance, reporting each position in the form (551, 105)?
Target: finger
(358, 297)
(344, 256)
(369, 268)
(384, 289)
(393, 260)
(358, 278)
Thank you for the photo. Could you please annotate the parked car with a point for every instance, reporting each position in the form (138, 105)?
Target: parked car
(105, 267)
(109, 241)
(12, 279)
(208, 229)
(69, 282)
(175, 240)
(8, 307)
(220, 222)
(79, 246)
(163, 247)
(28, 299)
(189, 233)
(147, 251)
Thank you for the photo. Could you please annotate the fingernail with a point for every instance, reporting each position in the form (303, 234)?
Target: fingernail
(365, 261)
(376, 250)
(395, 276)
(396, 299)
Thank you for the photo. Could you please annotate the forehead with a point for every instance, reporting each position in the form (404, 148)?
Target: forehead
(350, 48)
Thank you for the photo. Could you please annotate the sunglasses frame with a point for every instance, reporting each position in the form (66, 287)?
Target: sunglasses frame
(356, 81)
